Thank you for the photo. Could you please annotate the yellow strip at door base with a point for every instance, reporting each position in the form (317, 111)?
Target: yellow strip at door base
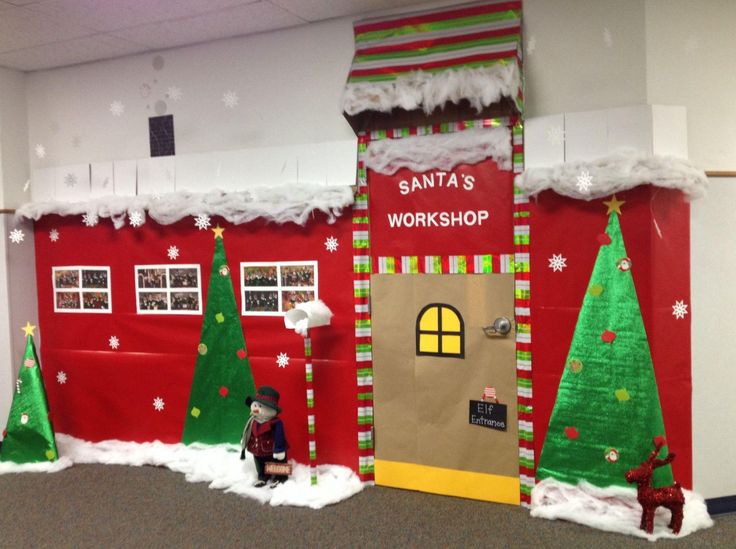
(448, 482)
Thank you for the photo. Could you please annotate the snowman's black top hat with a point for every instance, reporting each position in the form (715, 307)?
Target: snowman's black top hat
(268, 396)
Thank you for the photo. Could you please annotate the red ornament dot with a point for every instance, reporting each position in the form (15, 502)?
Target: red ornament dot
(571, 433)
(242, 353)
(608, 336)
(604, 239)
(224, 391)
(660, 440)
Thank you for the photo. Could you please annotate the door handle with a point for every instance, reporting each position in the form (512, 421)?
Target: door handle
(500, 327)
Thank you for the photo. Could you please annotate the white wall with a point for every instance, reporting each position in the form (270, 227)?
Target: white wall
(583, 55)
(713, 302)
(691, 61)
(18, 275)
(288, 84)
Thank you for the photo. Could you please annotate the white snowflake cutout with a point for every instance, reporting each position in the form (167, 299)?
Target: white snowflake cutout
(70, 180)
(174, 93)
(585, 181)
(16, 236)
(61, 377)
(555, 135)
(117, 108)
(90, 219)
(40, 151)
(172, 252)
(282, 360)
(114, 342)
(135, 218)
(158, 404)
(679, 309)
(202, 221)
(607, 37)
(54, 235)
(331, 244)
(230, 98)
(557, 262)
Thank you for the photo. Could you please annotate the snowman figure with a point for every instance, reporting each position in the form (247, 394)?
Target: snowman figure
(264, 435)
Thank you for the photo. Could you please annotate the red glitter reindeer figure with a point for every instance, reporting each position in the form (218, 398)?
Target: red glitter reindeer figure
(670, 497)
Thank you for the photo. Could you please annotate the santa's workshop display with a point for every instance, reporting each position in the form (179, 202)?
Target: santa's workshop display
(29, 435)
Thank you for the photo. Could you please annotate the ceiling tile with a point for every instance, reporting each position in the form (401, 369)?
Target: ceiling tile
(109, 15)
(21, 28)
(69, 52)
(316, 10)
(240, 20)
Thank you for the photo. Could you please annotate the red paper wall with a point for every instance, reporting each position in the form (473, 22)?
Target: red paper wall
(109, 393)
(656, 229)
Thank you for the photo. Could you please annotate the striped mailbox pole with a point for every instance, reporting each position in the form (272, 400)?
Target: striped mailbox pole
(301, 319)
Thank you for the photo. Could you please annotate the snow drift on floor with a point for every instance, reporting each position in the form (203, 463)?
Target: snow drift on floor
(219, 465)
(613, 509)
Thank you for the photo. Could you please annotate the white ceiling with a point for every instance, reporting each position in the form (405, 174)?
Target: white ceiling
(42, 34)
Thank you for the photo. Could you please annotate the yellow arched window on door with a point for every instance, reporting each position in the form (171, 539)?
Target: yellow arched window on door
(440, 331)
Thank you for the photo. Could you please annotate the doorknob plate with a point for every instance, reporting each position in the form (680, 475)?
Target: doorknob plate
(500, 327)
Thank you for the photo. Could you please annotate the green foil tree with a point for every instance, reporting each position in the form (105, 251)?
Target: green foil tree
(222, 376)
(29, 436)
(607, 410)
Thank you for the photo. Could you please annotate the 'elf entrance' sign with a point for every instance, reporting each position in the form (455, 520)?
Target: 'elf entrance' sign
(464, 211)
(487, 414)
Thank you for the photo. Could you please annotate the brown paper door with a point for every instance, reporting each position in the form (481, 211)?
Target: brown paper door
(423, 385)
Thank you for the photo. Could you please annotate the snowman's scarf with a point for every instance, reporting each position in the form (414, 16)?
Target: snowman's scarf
(259, 418)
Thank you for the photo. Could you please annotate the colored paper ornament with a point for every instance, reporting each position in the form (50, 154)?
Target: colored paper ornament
(195, 412)
(575, 365)
(611, 455)
(604, 239)
(624, 264)
(202, 349)
(595, 290)
(223, 391)
(622, 395)
(608, 336)
(571, 433)
(220, 318)
(224, 270)
(242, 353)
(29, 363)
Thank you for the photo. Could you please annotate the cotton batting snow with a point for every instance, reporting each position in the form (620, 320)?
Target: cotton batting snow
(613, 509)
(280, 204)
(219, 465)
(480, 86)
(617, 172)
(440, 151)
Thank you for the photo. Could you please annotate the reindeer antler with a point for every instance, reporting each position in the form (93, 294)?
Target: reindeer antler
(658, 444)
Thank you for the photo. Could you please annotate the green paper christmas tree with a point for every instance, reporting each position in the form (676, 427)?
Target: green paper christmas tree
(607, 410)
(29, 436)
(222, 377)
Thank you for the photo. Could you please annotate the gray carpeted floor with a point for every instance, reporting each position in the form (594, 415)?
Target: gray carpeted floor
(119, 506)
